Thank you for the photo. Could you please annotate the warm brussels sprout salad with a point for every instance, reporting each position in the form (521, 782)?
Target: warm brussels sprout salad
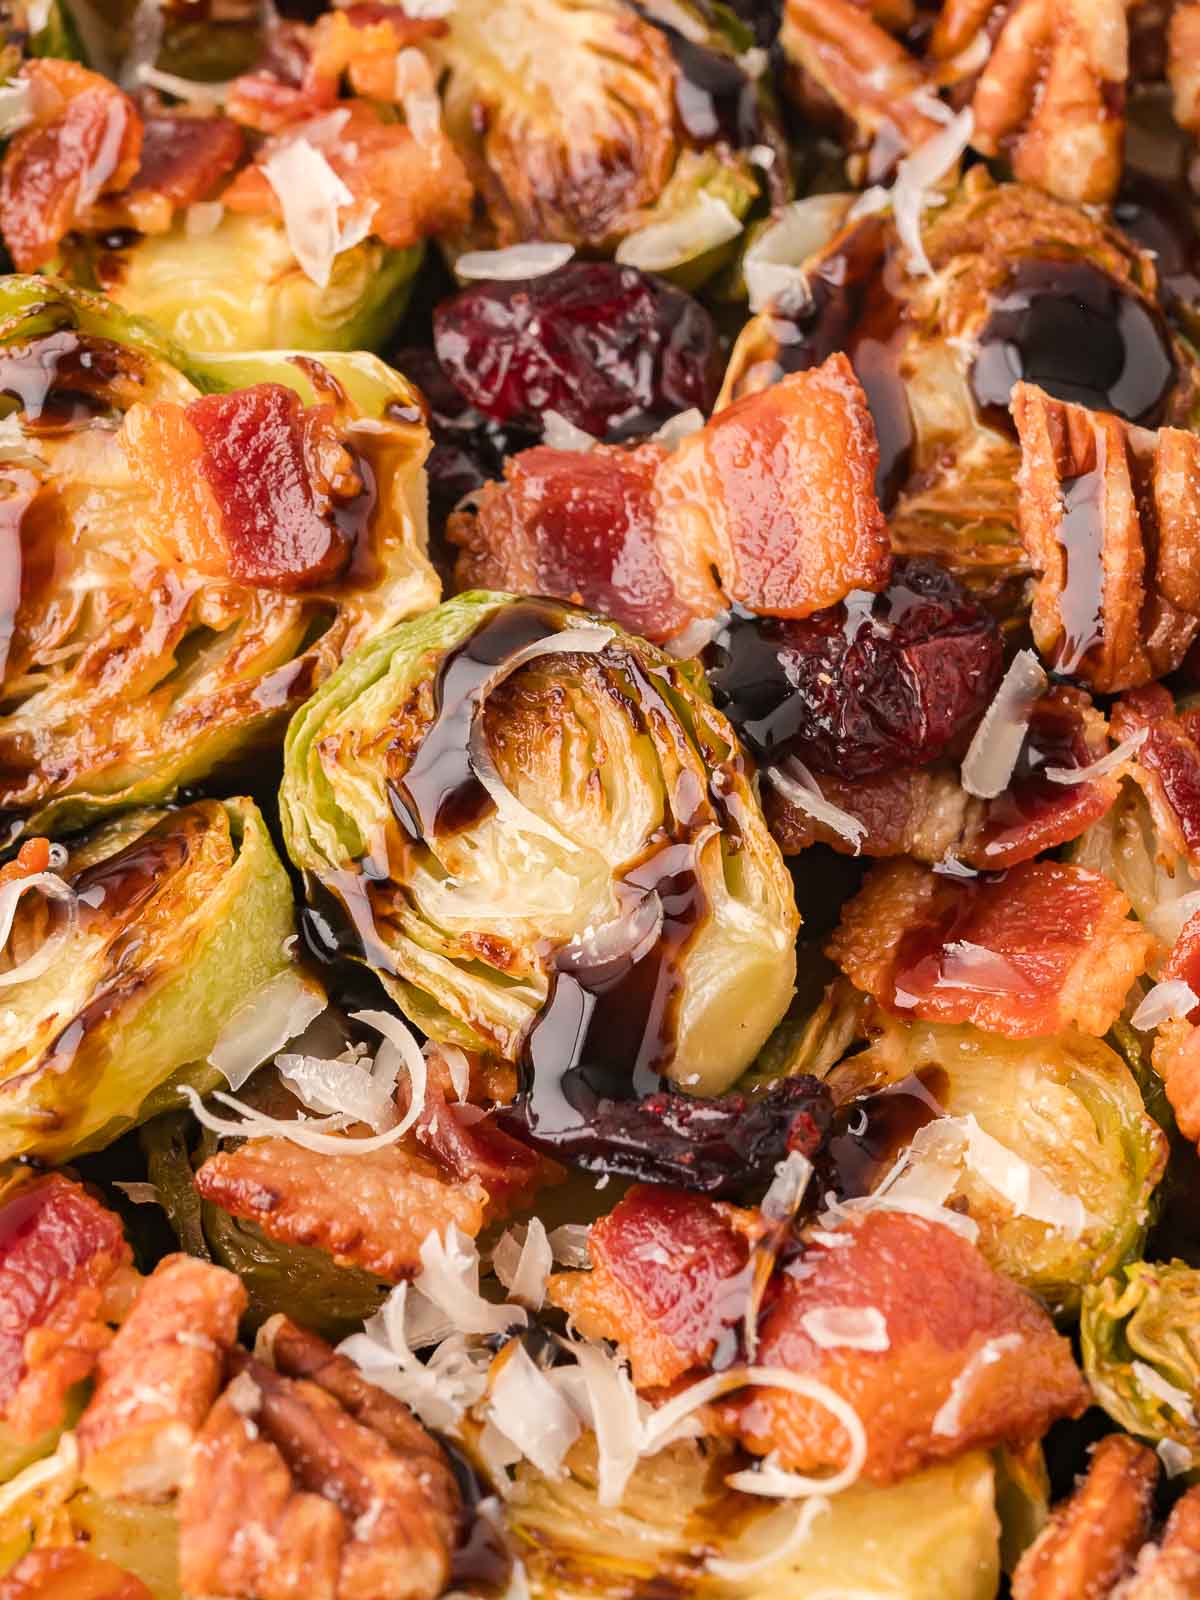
(599, 800)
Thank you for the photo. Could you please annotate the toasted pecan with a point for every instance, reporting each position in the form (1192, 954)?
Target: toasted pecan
(157, 1380)
(1051, 96)
(1047, 947)
(1091, 1539)
(1170, 1569)
(1183, 63)
(1110, 516)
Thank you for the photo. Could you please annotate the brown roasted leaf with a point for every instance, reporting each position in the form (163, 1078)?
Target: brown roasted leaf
(158, 1378)
(1052, 96)
(1110, 516)
(1091, 1539)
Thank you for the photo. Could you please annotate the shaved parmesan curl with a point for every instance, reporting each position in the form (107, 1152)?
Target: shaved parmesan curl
(311, 196)
(279, 1010)
(800, 788)
(54, 888)
(1165, 1003)
(529, 260)
(992, 755)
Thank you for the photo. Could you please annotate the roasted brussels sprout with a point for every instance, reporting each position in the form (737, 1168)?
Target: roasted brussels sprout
(1045, 1143)
(301, 1282)
(240, 287)
(607, 125)
(193, 564)
(124, 965)
(1140, 1332)
(537, 830)
(1019, 286)
(934, 1536)
(35, 30)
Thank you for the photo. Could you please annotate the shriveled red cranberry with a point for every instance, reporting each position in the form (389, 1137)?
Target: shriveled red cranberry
(877, 682)
(609, 348)
(716, 1146)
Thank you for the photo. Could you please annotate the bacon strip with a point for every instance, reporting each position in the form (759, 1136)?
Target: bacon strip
(158, 1379)
(66, 1275)
(247, 484)
(1167, 765)
(71, 1573)
(971, 1360)
(670, 1281)
(85, 141)
(183, 159)
(1041, 948)
(771, 504)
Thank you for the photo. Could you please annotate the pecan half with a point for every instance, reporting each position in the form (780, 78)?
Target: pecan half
(158, 1378)
(288, 1493)
(1170, 1569)
(1052, 96)
(1183, 64)
(1091, 1539)
(1110, 516)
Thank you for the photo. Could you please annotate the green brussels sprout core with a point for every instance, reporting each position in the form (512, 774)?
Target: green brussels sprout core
(1140, 1332)
(540, 834)
(1045, 1144)
(200, 540)
(164, 923)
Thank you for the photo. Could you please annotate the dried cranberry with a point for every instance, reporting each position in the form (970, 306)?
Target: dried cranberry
(877, 682)
(720, 1145)
(608, 347)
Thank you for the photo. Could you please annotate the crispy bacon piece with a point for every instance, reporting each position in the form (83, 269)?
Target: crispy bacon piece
(972, 1360)
(922, 812)
(289, 1494)
(1044, 947)
(1183, 63)
(66, 1275)
(1091, 1540)
(1176, 1052)
(248, 483)
(1110, 516)
(1166, 766)
(301, 73)
(85, 141)
(183, 158)
(777, 493)
(72, 1573)
(852, 62)
(374, 1210)
(670, 1282)
(1034, 813)
(418, 186)
(1170, 1570)
(158, 1378)
(577, 526)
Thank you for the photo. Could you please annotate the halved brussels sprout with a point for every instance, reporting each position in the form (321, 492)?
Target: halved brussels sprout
(188, 576)
(1140, 1333)
(540, 834)
(1127, 847)
(938, 352)
(610, 125)
(131, 958)
(300, 1282)
(933, 1536)
(1053, 1154)
(240, 287)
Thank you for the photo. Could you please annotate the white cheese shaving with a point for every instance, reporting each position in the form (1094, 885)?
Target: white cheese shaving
(440, 1390)
(701, 631)
(795, 1526)
(561, 434)
(399, 1049)
(16, 109)
(660, 246)
(916, 178)
(800, 788)
(522, 1261)
(947, 1421)
(203, 218)
(531, 1411)
(446, 1298)
(570, 1244)
(311, 196)
(346, 1086)
(783, 1197)
(428, 10)
(678, 428)
(458, 1067)
(614, 1416)
(773, 265)
(992, 754)
(532, 259)
(1026, 1189)
(1102, 766)
(1176, 1399)
(1170, 916)
(1166, 1002)
(277, 1011)
(40, 960)
(209, 95)
(1175, 1457)
(847, 1328)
